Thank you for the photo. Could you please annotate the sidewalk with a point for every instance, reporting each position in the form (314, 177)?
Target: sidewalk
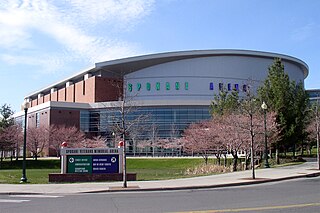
(307, 169)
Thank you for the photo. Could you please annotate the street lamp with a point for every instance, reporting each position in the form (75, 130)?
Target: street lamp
(25, 106)
(114, 139)
(265, 107)
(318, 134)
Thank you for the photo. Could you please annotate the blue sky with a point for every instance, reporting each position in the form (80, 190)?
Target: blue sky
(44, 41)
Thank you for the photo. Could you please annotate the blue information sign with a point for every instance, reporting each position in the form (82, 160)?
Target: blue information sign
(105, 164)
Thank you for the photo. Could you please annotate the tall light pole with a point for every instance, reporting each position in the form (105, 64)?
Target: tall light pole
(124, 156)
(25, 106)
(317, 123)
(265, 107)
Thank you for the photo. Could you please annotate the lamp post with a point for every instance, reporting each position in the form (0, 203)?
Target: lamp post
(318, 134)
(265, 107)
(114, 137)
(25, 106)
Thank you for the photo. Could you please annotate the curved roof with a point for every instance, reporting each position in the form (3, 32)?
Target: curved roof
(132, 64)
(120, 67)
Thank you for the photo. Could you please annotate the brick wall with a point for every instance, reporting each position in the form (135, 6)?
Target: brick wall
(40, 100)
(43, 118)
(54, 96)
(70, 94)
(47, 97)
(84, 91)
(65, 117)
(62, 94)
(107, 89)
(94, 89)
(34, 102)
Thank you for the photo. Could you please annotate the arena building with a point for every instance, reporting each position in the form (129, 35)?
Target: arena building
(174, 89)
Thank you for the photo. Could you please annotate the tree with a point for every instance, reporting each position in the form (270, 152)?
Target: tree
(59, 134)
(37, 139)
(5, 116)
(313, 128)
(11, 139)
(225, 102)
(126, 121)
(94, 142)
(300, 116)
(197, 139)
(289, 101)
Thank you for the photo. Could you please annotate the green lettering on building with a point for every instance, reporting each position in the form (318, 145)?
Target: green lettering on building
(148, 85)
(186, 85)
(158, 86)
(138, 86)
(167, 86)
(130, 87)
(177, 85)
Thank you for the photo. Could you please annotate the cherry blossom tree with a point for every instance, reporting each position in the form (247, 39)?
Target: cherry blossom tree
(72, 135)
(10, 140)
(94, 142)
(37, 140)
(197, 139)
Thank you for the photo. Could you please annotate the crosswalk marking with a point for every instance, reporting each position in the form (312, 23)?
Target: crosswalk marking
(37, 196)
(26, 196)
(12, 201)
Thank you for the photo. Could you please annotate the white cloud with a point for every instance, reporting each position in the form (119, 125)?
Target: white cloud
(66, 22)
(304, 32)
(121, 11)
(46, 63)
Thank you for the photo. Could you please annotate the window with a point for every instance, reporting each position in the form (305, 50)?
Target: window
(37, 120)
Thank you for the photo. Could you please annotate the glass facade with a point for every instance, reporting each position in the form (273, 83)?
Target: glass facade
(169, 121)
(314, 95)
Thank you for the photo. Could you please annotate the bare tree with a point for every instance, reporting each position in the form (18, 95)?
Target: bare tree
(197, 139)
(10, 140)
(127, 120)
(37, 139)
(94, 142)
(72, 135)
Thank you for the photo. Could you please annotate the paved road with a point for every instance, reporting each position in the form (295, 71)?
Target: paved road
(300, 195)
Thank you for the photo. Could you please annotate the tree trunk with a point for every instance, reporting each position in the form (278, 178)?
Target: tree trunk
(277, 156)
(235, 162)
(17, 152)
(218, 159)
(2, 155)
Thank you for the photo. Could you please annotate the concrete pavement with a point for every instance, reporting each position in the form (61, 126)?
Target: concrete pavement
(307, 169)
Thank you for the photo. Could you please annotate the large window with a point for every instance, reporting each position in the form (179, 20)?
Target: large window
(37, 120)
(169, 120)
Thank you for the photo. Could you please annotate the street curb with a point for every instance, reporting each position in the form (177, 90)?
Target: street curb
(132, 189)
(206, 186)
